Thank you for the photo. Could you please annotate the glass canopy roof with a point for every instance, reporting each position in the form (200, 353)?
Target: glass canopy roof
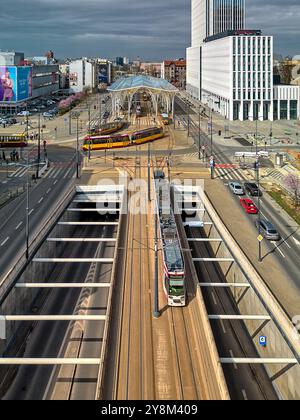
(141, 81)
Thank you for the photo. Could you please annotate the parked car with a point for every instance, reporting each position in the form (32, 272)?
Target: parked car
(253, 189)
(23, 114)
(268, 230)
(249, 206)
(47, 115)
(236, 188)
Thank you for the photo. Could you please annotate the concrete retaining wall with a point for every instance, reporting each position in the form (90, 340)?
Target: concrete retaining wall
(286, 385)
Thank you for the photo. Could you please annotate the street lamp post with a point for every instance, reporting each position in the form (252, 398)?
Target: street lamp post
(156, 312)
(39, 148)
(199, 145)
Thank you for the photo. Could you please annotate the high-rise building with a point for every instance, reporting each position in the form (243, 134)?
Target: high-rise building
(230, 68)
(210, 17)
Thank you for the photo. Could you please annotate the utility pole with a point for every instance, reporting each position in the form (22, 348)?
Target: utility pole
(70, 121)
(188, 120)
(77, 149)
(39, 148)
(211, 135)
(156, 312)
(199, 145)
(149, 173)
(27, 208)
(259, 209)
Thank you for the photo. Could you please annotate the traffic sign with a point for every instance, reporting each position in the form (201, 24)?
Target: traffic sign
(260, 238)
(263, 341)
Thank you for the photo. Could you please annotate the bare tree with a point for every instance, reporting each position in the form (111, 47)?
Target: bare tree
(285, 71)
(293, 184)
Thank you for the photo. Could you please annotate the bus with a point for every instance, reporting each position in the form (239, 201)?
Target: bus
(13, 140)
(122, 140)
(165, 119)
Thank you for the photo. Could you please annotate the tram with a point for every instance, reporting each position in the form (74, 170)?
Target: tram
(174, 283)
(108, 128)
(13, 140)
(122, 140)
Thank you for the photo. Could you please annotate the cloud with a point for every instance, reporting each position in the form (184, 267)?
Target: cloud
(152, 29)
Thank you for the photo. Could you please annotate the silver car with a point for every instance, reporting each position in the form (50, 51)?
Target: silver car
(268, 230)
(237, 188)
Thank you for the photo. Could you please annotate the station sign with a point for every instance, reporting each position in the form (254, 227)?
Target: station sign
(263, 341)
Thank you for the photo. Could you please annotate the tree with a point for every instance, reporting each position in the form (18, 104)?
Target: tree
(293, 184)
(285, 71)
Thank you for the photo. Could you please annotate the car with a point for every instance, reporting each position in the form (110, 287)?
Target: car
(34, 110)
(252, 189)
(236, 188)
(249, 206)
(47, 115)
(268, 230)
(23, 114)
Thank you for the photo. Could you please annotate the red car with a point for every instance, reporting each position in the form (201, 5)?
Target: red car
(249, 206)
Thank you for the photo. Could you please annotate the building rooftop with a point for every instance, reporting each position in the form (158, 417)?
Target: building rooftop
(142, 81)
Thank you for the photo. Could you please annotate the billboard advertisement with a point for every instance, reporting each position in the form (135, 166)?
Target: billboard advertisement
(103, 73)
(8, 84)
(73, 79)
(24, 83)
(15, 83)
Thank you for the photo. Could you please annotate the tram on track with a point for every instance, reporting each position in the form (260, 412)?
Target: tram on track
(108, 128)
(174, 283)
(123, 140)
(13, 140)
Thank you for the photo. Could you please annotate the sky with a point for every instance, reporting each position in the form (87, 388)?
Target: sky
(151, 29)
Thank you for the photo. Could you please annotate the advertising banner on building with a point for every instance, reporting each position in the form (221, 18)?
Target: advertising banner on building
(8, 84)
(15, 83)
(24, 83)
(103, 76)
(73, 79)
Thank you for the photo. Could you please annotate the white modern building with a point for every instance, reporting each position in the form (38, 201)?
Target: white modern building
(237, 75)
(230, 68)
(83, 75)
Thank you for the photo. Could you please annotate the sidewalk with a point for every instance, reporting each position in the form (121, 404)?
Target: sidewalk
(281, 130)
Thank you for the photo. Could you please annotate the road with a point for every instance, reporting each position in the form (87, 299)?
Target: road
(42, 196)
(287, 250)
(60, 338)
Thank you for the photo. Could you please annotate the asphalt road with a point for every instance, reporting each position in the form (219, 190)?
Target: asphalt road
(38, 382)
(286, 250)
(42, 196)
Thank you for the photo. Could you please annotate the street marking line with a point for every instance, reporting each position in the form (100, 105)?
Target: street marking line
(40, 200)
(277, 248)
(223, 327)
(244, 395)
(4, 242)
(232, 356)
(31, 211)
(55, 182)
(214, 298)
(47, 192)
(19, 225)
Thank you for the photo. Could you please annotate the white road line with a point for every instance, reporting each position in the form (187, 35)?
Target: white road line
(67, 173)
(40, 200)
(4, 242)
(232, 356)
(244, 395)
(55, 182)
(277, 248)
(20, 224)
(47, 192)
(49, 172)
(31, 211)
(287, 244)
(214, 298)
(22, 173)
(223, 327)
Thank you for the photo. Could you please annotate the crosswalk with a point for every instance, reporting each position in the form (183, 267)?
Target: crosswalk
(52, 173)
(230, 174)
(275, 174)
